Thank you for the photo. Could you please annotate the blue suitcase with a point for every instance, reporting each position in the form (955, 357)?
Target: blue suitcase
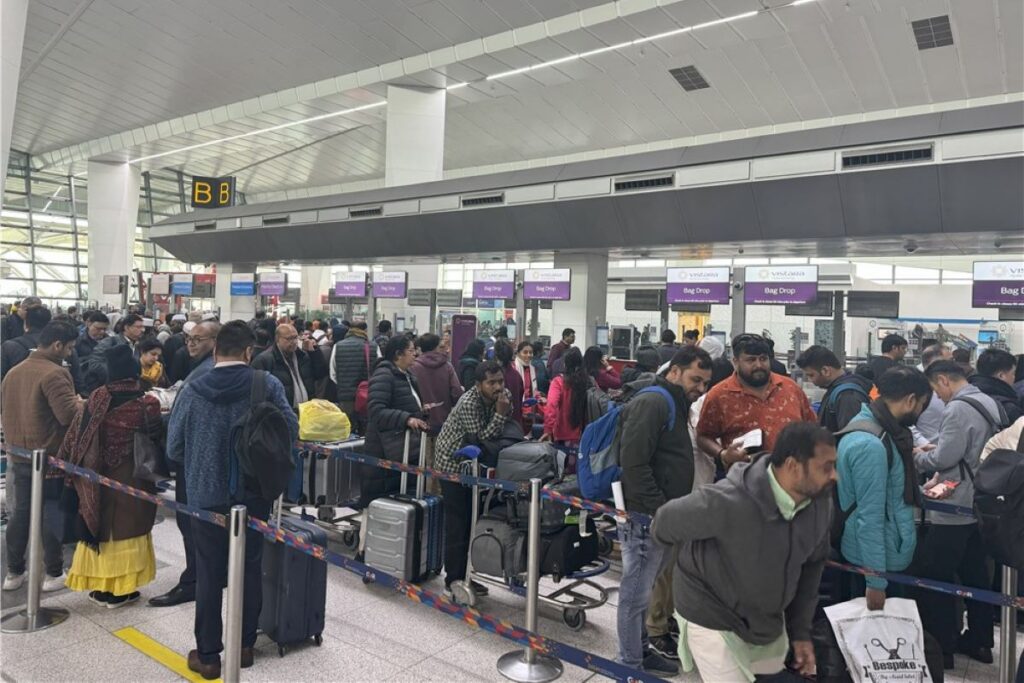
(294, 588)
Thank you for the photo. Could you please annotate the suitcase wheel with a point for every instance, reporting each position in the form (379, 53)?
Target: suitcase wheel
(367, 580)
(280, 650)
(318, 639)
(350, 539)
(575, 619)
(604, 546)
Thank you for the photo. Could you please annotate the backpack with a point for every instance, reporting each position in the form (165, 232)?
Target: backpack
(839, 515)
(833, 398)
(598, 464)
(999, 504)
(597, 402)
(261, 447)
(994, 425)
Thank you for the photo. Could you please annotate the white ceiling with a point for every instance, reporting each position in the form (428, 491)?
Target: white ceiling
(141, 67)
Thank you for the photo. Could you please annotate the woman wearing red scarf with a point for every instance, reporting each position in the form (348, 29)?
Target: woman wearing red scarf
(524, 366)
(114, 557)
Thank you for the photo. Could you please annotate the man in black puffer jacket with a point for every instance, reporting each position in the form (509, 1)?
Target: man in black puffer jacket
(394, 409)
(996, 371)
(352, 361)
(298, 369)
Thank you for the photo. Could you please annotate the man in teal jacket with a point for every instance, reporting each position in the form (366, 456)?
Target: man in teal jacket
(877, 479)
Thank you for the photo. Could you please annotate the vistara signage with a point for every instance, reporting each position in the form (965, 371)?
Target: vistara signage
(998, 284)
(781, 285)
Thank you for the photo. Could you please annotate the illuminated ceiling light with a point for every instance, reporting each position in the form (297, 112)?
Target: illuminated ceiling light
(456, 86)
(260, 131)
(797, 3)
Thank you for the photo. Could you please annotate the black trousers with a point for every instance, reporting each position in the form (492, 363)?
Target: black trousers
(184, 522)
(953, 553)
(211, 546)
(458, 510)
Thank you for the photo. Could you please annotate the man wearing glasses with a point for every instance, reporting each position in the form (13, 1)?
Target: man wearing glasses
(753, 398)
(200, 349)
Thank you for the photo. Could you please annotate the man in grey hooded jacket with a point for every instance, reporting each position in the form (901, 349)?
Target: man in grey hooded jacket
(750, 552)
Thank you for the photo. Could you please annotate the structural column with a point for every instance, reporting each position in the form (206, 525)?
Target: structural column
(414, 148)
(113, 213)
(316, 281)
(588, 305)
(233, 307)
(12, 35)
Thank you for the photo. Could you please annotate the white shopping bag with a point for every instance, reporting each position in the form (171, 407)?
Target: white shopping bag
(884, 646)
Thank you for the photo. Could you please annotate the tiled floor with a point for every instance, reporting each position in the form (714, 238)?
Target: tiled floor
(371, 635)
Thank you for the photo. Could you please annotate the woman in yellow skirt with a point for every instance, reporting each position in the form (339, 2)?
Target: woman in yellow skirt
(114, 556)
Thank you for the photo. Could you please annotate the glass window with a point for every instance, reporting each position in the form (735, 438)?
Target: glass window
(55, 255)
(876, 272)
(9, 235)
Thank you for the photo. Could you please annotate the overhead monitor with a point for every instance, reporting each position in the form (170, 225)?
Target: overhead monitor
(998, 283)
(643, 300)
(873, 304)
(988, 336)
(822, 308)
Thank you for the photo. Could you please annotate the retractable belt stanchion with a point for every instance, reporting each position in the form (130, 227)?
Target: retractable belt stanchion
(34, 617)
(1008, 629)
(236, 579)
(527, 665)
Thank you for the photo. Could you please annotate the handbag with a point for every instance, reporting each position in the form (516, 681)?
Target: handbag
(362, 403)
(150, 459)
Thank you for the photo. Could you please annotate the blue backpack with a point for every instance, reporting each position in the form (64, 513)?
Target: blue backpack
(598, 464)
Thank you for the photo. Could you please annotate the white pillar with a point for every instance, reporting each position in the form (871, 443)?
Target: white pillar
(589, 297)
(414, 150)
(113, 215)
(233, 307)
(316, 281)
(12, 35)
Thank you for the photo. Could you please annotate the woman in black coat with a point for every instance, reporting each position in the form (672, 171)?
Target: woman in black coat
(394, 408)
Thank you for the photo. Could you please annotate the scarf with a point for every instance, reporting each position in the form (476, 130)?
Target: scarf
(356, 332)
(904, 442)
(529, 375)
(82, 447)
(153, 373)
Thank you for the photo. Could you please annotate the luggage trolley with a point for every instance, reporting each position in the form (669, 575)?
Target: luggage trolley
(339, 484)
(571, 603)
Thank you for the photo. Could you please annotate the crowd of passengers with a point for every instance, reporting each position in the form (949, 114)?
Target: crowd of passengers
(79, 386)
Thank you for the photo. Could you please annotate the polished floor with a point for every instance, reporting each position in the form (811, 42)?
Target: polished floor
(372, 635)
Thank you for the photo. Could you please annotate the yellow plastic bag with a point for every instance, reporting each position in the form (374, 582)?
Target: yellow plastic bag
(321, 420)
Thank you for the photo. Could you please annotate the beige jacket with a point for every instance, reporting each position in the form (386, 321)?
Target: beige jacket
(1007, 439)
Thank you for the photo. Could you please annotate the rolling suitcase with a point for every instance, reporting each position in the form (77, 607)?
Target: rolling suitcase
(294, 587)
(405, 534)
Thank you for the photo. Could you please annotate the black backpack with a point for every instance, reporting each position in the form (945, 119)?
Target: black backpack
(999, 504)
(262, 447)
(839, 515)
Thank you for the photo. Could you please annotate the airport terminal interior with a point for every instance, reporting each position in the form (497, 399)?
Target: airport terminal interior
(583, 203)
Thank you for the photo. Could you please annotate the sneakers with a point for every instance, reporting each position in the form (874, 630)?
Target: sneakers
(99, 598)
(13, 582)
(656, 664)
(54, 583)
(667, 646)
(115, 601)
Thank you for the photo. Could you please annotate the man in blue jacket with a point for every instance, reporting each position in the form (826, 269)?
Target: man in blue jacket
(198, 438)
(877, 478)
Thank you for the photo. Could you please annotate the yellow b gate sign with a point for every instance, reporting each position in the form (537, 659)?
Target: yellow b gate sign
(213, 193)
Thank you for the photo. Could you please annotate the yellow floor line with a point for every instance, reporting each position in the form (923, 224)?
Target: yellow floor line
(162, 654)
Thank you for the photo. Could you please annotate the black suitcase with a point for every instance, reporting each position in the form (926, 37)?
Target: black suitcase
(565, 551)
(294, 588)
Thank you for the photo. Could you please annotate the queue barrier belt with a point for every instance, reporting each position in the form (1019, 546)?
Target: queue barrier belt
(468, 615)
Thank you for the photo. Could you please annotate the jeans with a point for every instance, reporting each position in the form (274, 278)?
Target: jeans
(458, 508)
(642, 559)
(187, 581)
(20, 478)
(953, 553)
(211, 544)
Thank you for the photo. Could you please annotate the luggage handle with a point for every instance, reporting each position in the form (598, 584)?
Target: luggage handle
(405, 461)
(421, 483)
(277, 512)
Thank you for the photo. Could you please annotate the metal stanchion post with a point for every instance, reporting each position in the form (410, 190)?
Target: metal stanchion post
(527, 665)
(1008, 629)
(34, 617)
(236, 579)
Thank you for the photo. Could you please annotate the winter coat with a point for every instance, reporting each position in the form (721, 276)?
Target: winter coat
(94, 368)
(467, 371)
(393, 399)
(311, 368)
(349, 363)
(557, 411)
(1003, 394)
(438, 385)
(880, 533)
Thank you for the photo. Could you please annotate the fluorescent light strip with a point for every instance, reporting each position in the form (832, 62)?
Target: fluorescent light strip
(260, 131)
(638, 41)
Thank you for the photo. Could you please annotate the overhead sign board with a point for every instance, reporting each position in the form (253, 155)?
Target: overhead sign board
(213, 193)
(697, 285)
(998, 283)
(643, 299)
(204, 285)
(273, 284)
(350, 285)
(181, 284)
(112, 284)
(420, 297)
(243, 284)
(551, 284)
(781, 285)
(494, 284)
(449, 298)
(390, 285)
(160, 284)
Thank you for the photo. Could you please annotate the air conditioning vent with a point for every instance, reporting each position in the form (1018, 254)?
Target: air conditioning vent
(366, 212)
(689, 78)
(484, 199)
(933, 32)
(884, 157)
(645, 183)
(282, 219)
(212, 225)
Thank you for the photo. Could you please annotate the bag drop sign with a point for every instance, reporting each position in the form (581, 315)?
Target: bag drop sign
(884, 646)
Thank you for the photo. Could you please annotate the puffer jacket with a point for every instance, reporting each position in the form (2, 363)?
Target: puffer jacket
(438, 386)
(467, 371)
(349, 362)
(393, 399)
(880, 533)
(311, 366)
